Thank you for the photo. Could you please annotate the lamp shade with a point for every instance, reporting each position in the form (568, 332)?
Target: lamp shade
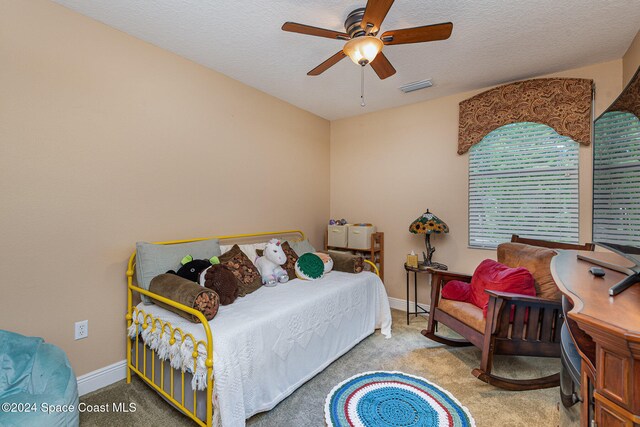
(428, 223)
(362, 50)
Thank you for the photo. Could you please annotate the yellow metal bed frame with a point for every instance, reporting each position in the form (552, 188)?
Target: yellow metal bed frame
(148, 321)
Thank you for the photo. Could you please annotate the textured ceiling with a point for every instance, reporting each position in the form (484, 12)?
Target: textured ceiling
(493, 41)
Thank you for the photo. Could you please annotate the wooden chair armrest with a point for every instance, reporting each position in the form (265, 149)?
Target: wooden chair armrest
(449, 275)
(507, 312)
(523, 298)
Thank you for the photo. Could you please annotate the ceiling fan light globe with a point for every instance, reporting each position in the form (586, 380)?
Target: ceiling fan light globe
(363, 50)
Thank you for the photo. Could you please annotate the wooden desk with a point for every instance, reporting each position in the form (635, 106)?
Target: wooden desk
(606, 331)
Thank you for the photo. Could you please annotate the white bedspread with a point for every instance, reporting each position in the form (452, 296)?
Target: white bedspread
(270, 342)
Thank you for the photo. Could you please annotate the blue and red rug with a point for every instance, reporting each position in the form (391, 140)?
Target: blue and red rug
(393, 399)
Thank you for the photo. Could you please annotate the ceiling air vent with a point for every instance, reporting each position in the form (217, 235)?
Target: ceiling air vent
(410, 87)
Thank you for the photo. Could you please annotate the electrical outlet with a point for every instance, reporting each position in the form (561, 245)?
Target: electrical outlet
(82, 329)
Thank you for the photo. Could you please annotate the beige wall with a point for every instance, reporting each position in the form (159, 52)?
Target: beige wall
(388, 167)
(631, 60)
(105, 140)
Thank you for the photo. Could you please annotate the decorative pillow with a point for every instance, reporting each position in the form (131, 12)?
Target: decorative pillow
(153, 260)
(185, 292)
(221, 280)
(292, 257)
(457, 290)
(303, 247)
(347, 262)
(250, 250)
(245, 272)
(326, 259)
(494, 276)
(537, 260)
(309, 267)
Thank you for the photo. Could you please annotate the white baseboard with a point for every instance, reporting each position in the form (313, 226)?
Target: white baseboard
(401, 304)
(102, 377)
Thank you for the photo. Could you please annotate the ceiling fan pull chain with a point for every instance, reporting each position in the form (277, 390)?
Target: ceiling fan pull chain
(362, 104)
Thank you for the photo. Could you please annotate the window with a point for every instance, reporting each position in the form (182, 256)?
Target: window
(523, 179)
(616, 179)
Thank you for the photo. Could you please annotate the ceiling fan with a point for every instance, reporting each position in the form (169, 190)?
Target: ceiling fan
(363, 47)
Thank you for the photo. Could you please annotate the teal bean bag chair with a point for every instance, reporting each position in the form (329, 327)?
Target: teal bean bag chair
(37, 385)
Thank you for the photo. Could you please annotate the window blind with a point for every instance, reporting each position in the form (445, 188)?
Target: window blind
(523, 179)
(616, 179)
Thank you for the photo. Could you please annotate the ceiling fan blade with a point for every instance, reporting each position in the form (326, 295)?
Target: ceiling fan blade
(294, 27)
(374, 14)
(428, 33)
(382, 66)
(327, 64)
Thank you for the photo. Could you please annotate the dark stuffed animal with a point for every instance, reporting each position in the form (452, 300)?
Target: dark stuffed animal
(191, 268)
(222, 281)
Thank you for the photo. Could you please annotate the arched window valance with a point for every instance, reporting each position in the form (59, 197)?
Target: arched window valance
(561, 103)
(628, 101)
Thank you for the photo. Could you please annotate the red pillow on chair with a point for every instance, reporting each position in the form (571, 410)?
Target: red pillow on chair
(457, 291)
(494, 276)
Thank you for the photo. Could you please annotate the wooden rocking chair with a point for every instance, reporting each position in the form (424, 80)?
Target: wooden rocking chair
(515, 325)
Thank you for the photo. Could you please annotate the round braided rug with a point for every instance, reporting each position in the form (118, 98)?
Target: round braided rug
(393, 399)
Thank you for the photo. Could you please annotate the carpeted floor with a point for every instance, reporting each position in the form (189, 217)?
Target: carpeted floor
(406, 351)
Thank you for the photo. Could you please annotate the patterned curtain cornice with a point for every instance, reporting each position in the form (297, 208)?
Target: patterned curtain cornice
(563, 104)
(629, 101)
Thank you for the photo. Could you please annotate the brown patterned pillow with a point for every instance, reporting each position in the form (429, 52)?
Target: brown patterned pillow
(292, 257)
(245, 272)
(207, 303)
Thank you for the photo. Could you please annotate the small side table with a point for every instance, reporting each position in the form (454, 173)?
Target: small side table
(417, 308)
